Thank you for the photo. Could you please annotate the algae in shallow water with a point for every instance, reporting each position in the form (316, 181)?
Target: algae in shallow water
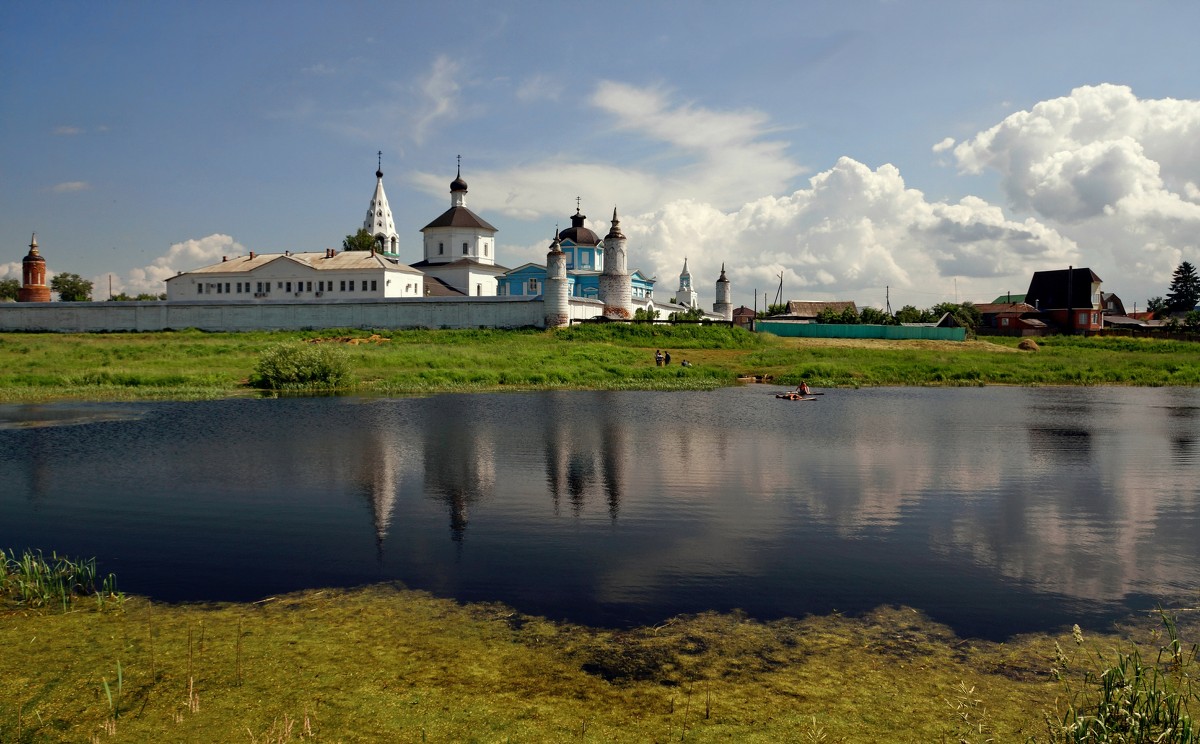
(383, 663)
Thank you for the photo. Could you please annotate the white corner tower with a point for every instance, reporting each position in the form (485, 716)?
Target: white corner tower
(685, 295)
(379, 217)
(615, 290)
(724, 304)
(554, 294)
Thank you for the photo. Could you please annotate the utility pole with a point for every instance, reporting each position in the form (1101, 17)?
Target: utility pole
(887, 293)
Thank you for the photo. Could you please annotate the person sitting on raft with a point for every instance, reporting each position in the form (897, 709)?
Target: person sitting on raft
(803, 388)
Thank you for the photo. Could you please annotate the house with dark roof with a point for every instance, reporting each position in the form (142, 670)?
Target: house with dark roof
(1110, 304)
(1067, 299)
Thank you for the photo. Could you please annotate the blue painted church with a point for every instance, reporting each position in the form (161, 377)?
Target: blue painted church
(584, 250)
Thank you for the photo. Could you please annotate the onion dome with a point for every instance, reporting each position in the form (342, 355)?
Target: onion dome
(577, 233)
(458, 184)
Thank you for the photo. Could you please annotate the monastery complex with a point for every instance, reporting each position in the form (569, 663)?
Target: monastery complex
(457, 283)
(458, 260)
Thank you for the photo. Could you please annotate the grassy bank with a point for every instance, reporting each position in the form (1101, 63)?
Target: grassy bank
(193, 365)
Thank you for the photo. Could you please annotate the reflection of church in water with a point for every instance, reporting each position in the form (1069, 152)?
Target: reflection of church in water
(452, 461)
(576, 463)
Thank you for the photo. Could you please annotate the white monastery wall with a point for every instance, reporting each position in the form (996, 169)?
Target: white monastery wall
(454, 312)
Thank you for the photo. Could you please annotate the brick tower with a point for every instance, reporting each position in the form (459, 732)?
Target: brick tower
(33, 276)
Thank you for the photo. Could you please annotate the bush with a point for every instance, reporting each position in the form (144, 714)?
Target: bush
(301, 367)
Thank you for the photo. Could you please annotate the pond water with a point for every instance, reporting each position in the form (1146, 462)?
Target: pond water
(994, 510)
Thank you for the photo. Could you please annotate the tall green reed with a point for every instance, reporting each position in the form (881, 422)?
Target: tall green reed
(1129, 698)
(34, 580)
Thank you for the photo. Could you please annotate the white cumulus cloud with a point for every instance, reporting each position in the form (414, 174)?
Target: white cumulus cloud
(944, 145)
(182, 256)
(854, 233)
(1115, 173)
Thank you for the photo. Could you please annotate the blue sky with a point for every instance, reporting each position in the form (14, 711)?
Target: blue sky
(924, 151)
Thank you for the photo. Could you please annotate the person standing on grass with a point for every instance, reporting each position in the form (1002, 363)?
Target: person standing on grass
(667, 357)
(658, 358)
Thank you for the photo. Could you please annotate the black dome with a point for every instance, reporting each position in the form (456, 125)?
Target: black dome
(577, 233)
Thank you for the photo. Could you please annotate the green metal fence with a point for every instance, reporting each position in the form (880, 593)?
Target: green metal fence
(839, 330)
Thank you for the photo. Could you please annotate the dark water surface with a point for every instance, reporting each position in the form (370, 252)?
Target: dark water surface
(994, 510)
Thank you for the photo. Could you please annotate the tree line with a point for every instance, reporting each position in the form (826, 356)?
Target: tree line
(965, 314)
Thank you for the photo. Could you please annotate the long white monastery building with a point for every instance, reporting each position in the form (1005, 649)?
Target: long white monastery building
(275, 277)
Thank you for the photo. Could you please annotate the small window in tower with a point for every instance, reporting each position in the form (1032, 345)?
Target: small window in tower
(485, 249)
(465, 248)
(441, 249)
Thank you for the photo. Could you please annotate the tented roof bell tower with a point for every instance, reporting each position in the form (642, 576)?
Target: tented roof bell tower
(379, 220)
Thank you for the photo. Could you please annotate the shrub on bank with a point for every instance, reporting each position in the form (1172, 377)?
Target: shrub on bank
(304, 367)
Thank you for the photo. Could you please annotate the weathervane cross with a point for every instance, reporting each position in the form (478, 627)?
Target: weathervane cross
(380, 165)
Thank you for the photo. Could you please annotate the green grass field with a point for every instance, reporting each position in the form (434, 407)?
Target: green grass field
(193, 365)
